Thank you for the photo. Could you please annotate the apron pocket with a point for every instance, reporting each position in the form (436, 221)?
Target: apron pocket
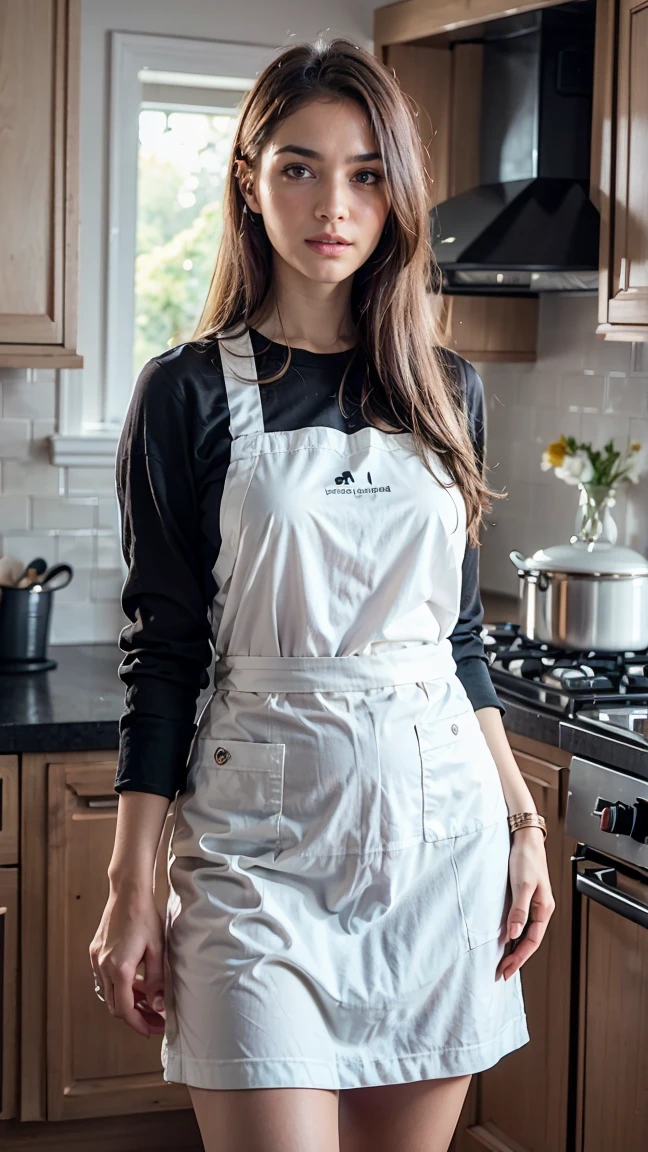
(239, 796)
(449, 751)
(481, 861)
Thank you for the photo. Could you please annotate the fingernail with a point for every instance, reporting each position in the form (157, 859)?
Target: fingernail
(515, 930)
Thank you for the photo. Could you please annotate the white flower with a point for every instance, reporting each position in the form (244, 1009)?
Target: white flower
(576, 469)
(545, 463)
(636, 465)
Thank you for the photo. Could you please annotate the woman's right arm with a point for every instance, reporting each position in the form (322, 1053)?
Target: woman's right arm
(167, 654)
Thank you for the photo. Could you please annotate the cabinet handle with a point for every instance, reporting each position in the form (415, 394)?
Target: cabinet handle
(103, 803)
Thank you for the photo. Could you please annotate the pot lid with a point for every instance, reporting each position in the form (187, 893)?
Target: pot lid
(600, 556)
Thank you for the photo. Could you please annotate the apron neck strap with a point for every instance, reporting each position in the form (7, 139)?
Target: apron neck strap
(241, 383)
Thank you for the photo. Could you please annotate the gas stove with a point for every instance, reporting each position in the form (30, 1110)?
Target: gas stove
(610, 687)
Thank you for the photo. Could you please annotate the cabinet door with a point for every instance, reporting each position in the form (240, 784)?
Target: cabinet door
(39, 65)
(629, 296)
(8, 990)
(96, 1064)
(8, 810)
(614, 1038)
(620, 166)
(521, 1102)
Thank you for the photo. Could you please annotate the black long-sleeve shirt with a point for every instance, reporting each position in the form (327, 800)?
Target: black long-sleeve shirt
(172, 460)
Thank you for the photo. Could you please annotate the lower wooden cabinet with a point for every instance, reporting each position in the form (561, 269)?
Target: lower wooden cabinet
(520, 1105)
(77, 1060)
(8, 991)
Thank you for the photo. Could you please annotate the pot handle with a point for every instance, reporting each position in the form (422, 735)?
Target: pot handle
(531, 575)
(519, 560)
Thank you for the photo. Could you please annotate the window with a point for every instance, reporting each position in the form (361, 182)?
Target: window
(173, 112)
(182, 169)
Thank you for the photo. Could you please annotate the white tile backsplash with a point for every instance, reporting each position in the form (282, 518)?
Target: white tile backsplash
(583, 386)
(15, 438)
(14, 513)
(21, 399)
(62, 514)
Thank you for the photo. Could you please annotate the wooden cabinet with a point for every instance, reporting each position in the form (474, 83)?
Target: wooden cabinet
(613, 1057)
(77, 1060)
(39, 107)
(620, 167)
(8, 810)
(8, 934)
(520, 1105)
(8, 990)
(96, 1064)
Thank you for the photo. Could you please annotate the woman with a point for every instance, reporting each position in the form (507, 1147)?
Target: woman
(302, 483)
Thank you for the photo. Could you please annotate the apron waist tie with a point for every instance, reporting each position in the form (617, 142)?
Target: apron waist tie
(405, 665)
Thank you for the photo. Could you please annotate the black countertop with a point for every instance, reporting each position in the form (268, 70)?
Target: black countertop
(76, 708)
(72, 708)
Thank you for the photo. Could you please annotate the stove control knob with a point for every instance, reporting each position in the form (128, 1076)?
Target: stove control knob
(618, 818)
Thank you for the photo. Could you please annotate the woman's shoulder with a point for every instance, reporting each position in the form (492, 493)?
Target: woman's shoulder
(186, 368)
(178, 398)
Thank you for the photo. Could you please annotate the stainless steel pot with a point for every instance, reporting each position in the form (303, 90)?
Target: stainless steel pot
(593, 597)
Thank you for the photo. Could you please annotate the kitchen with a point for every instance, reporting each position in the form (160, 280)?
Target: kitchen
(565, 361)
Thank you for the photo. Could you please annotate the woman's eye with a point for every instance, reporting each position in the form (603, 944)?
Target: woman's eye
(370, 172)
(300, 167)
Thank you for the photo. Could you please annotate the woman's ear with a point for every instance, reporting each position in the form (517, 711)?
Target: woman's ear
(246, 184)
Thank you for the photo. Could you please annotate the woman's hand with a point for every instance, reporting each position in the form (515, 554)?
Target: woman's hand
(533, 903)
(130, 931)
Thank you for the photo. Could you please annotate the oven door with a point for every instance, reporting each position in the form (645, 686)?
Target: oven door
(610, 1005)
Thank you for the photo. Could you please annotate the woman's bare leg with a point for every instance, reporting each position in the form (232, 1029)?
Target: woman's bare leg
(417, 1117)
(267, 1119)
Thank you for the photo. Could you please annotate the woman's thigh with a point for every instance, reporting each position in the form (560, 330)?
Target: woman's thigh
(267, 1119)
(417, 1117)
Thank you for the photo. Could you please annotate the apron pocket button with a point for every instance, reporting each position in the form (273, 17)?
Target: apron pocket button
(221, 755)
(454, 729)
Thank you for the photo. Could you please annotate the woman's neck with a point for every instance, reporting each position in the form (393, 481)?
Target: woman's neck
(316, 325)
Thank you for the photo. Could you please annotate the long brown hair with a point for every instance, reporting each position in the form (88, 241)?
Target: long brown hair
(394, 298)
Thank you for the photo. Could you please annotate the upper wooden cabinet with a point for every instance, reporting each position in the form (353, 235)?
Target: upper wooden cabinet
(426, 42)
(39, 104)
(620, 167)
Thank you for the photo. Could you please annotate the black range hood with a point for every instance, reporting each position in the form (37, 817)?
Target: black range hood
(529, 226)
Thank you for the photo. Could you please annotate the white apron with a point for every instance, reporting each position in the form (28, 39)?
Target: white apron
(338, 866)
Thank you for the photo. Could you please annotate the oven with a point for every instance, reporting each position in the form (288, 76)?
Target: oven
(607, 814)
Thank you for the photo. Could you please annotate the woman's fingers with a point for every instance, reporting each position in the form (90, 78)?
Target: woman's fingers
(524, 946)
(123, 979)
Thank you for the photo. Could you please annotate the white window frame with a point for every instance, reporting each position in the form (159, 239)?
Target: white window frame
(84, 444)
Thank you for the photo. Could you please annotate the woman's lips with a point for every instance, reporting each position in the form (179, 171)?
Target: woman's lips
(327, 248)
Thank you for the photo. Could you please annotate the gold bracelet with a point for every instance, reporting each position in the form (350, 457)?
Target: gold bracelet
(528, 820)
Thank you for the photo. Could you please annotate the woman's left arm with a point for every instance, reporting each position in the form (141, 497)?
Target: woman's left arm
(533, 902)
(532, 899)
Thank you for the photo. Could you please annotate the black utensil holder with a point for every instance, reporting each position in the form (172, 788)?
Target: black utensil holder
(24, 627)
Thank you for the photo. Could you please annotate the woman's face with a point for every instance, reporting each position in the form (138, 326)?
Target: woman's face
(321, 174)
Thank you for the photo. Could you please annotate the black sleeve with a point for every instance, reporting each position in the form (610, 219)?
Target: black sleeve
(467, 644)
(167, 644)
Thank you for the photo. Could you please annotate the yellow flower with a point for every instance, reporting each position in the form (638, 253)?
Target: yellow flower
(555, 452)
(635, 445)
